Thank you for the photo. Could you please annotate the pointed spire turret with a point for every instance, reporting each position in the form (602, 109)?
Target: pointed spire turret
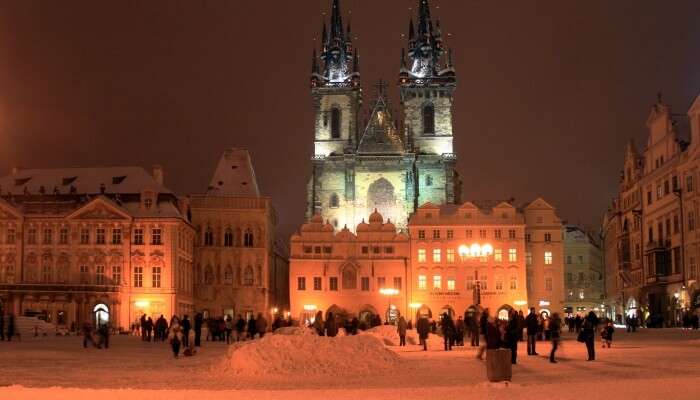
(336, 50)
(314, 63)
(411, 30)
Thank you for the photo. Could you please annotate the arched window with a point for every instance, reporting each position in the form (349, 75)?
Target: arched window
(248, 278)
(228, 275)
(209, 275)
(334, 201)
(349, 278)
(335, 123)
(209, 237)
(228, 238)
(428, 180)
(428, 120)
(248, 238)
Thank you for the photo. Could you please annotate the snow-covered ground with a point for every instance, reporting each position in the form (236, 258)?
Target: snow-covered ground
(645, 365)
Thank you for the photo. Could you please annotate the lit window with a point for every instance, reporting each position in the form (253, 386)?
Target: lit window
(436, 255)
(497, 255)
(581, 294)
(116, 274)
(548, 257)
(450, 283)
(513, 282)
(437, 282)
(100, 274)
(421, 255)
(156, 277)
(138, 276)
(450, 256)
(512, 255)
(422, 282)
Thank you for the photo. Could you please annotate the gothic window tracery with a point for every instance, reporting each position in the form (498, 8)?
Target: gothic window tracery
(248, 238)
(248, 278)
(228, 238)
(228, 275)
(334, 202)
(428, 119)
(335, 123)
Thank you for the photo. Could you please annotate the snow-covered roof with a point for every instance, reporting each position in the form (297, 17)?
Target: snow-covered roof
(234, 175)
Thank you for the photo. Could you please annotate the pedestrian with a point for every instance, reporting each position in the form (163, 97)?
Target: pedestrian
(261, 325)
(2, 325)
(448, 331)
(607, 334)
(229, 328)
(473, 323)
(175, 337)
(10, 326)
(240, 328)
(531, 324)
(483, 323)
(142, 323)
(555, 331)
(198, 320)
(578, 322)
(423, 328)
(459, 331)
(186, 326)
(149, 328)
(103, 334)
(588, 331)
(355, 325)
(401, 327)
(87, 335)
(331, 326)
(492, 333)
(318, 325)
(512, 336)
(521, 325)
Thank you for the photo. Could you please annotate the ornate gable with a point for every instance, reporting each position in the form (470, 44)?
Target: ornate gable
(100, 208)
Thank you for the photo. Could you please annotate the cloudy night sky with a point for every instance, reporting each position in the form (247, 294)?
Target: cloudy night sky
(548, 91)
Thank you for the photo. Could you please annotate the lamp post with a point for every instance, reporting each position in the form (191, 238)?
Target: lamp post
(473, 251)
(389, 292)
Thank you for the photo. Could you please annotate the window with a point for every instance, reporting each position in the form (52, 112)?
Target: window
(100, 274)
(675, 224)
(248, 277)
(156, 236)
(147, 203)
(422, 282)
(365, 249)
(637, 251)
(376, 249)
(389, 250)
(327, 249)
(228, 275)
(421, 255)
(228, 238)
(513, 282)
(468, 233)
(674, 183)
(528, 237)
(658, 192)
(116, 274)
(421, 234)
(381, 281)
(436, 255)
(397, 282)
(528, 258)
(568, 259)
(450, 283)
(48, 236)
(450, 234)
(668, 227)
(116, 236)
(470, 282)
(248, 238)
(10, 236)
(317, 283)
(100, 236)
(482, 233)
(579, 259)
(83, 274)
(649, 197)
(511, 233)
(138, 237)
(689, 183)
(499, 283)
(548, 283)
(46, 273)
(317, 249)
(450, 256)
(693, 273)
(155, 282)
(138, 276)
(497, 233)
(547, 237)
(498, 255)
(484, 283)
(428, 119)
(31, 236)
(437, 282)
(364, 283)
(436, 234)
(667, 188)
(301, 283)
(691, 221)
(334, 202)
(335, 123)
(548, 257)
(512, 255)
(581, 294)
(428, 182)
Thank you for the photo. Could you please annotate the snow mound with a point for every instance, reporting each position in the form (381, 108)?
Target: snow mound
(294, 330)
(308, 355)
(389, 335)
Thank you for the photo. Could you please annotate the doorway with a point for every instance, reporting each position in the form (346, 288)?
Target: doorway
(101, 312)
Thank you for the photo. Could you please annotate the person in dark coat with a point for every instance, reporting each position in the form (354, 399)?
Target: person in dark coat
(512, 336)
(87, 335)
(401, 327)
(578, 322)
(473, 325)
(240, 328)
(555, 331)
(149, 328)
(492, 334)
(459, 331)
(354, 325)
(521, 325)
(532, 325)
(142, 322)
(423, 328)
(483, 323)
(186, 326)
(198, 321)
(2, 325)
(589, 326)
(10, 327)
(252, 327)
(103, 336)
(261, 325)
(448, 331)
(331, 325)
(607, 334)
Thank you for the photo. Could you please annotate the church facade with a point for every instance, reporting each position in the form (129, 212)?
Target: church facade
(383, 164)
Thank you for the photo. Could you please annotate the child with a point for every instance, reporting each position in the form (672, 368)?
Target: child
(607, 334)
(175, 340)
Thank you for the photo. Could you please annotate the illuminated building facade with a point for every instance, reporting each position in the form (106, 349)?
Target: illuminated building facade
(93, 244)
(651, 226)
(239, 266)
(381, 164)
(583, 268)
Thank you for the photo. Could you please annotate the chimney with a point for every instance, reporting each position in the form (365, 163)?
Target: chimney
(158, 173)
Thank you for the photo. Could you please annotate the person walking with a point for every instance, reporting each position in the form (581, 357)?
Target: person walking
(175, 338)
(588, 329)
(229, 328)
(103, 336)
(10, 326)
(555, 331)
(198, 320)
(532, 325)
(401, 327)
(186, 326)
(87, 335)
(423, 328)
(459, 331)
(607, 333)
(240, 328)
(331, 326)
(483, 323)
(512, 336)
(318, 325)
(521, 325)
(473, 323)
(448, 331)
(149, 329)
(252, 327)
(142, 323)
(261, 325)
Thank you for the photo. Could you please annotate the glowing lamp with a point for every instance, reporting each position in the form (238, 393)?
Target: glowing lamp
(274, 310)
(389, 291)
(463, 250)
(544, 303)
(415, 305)
(142, 303)
(486, 250)
(520, 302)
(475, 250)
(309, 307)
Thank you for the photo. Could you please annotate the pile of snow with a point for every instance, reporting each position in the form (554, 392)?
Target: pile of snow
(294, 330)
(308, 355)
(389, 335)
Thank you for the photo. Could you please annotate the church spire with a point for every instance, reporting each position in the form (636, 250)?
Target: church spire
(425, 50)
(336, 51)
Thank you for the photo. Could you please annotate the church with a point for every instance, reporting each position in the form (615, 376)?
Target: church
(358, 168)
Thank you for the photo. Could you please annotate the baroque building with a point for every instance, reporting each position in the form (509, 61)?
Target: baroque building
(240, 268)
(650, 230)
(381, 164)
(583, 267)
(104, 245)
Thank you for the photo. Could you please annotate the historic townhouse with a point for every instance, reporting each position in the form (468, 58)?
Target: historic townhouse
(583, 268)
(93, 244)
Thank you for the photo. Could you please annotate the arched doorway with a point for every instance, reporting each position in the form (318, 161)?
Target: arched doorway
(447, 310)
(504, 312)
(472, 311)
(632, 306)
(101, 312)
(424, 312)
(392, 314)
(338, 313)
(366, 314)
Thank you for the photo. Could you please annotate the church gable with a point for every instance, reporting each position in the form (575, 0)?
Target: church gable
(100, 208)
(380, 136)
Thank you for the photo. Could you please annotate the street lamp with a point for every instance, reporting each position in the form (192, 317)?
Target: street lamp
(388, 292)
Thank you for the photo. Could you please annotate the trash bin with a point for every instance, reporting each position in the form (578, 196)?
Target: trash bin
(498, 366)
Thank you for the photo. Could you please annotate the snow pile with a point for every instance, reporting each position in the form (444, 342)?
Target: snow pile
(389, 335)
(294, 330)
(308, 355)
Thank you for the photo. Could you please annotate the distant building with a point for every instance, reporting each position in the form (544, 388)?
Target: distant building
(240, 265)
(102, 245)
(583, 268)
(652, 224)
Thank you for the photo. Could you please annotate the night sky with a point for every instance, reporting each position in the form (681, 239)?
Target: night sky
(548, 91)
